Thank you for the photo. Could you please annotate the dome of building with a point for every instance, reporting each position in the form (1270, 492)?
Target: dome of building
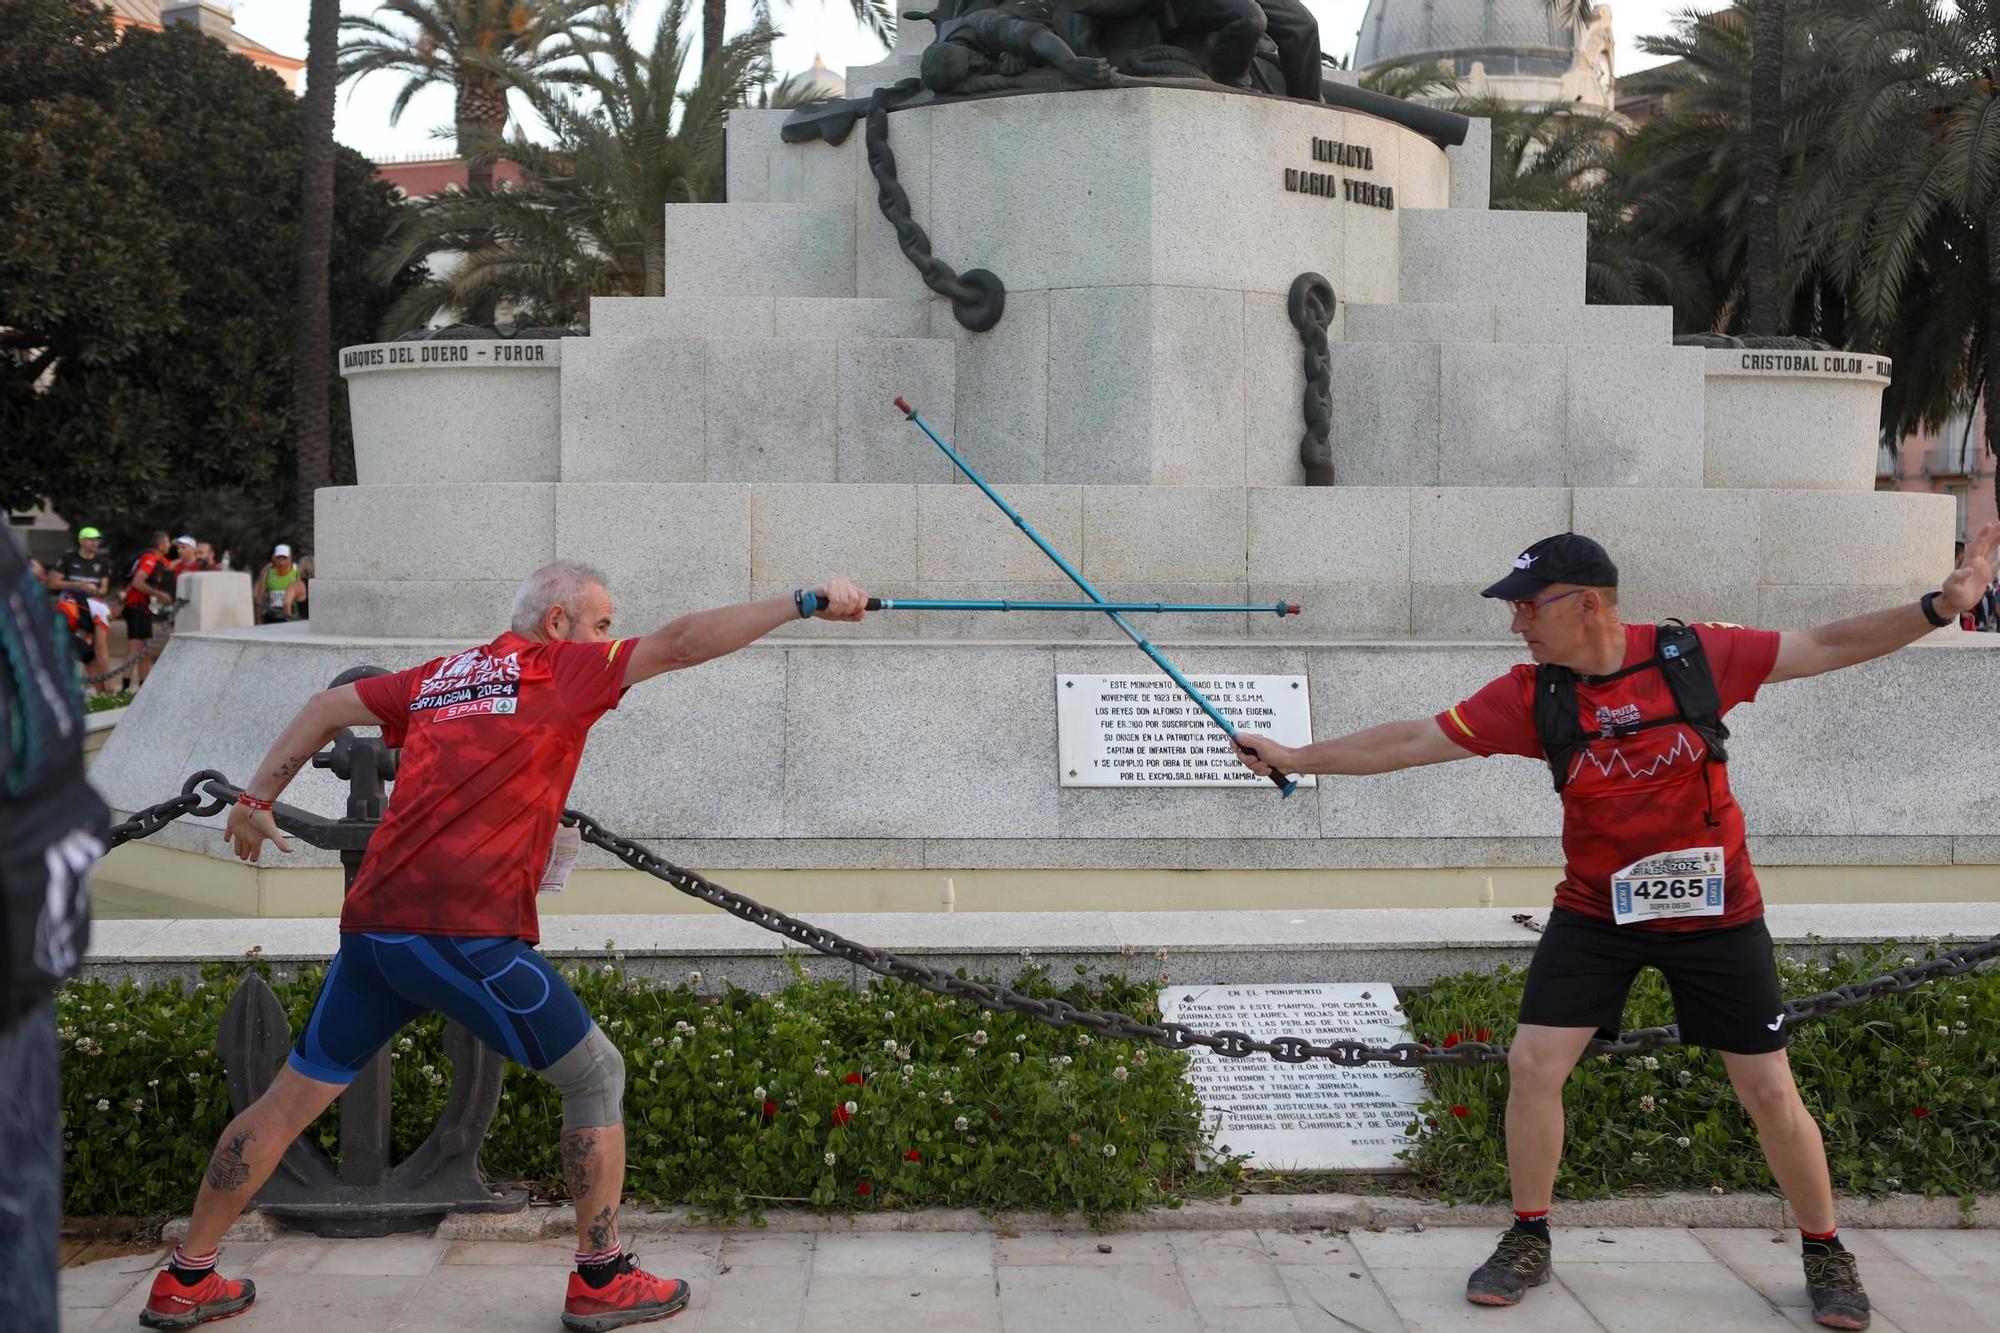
(1506, 36)
(822, 81)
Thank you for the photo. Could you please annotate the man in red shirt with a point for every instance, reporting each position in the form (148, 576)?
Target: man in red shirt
(149, 584)
(442, 914)
(1656, 870)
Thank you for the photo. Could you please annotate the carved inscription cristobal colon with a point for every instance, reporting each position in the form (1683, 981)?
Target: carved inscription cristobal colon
(1327, 185)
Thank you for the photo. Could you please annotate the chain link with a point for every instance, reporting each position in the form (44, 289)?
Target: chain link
(219, 794)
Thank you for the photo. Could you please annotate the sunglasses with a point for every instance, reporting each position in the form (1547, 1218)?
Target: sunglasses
(1528, 610)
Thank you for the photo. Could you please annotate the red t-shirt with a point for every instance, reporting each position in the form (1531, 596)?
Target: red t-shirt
(148, 567)
(491, 738)
(1646, 815)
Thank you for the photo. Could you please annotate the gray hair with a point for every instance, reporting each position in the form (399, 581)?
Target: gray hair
(559, 584)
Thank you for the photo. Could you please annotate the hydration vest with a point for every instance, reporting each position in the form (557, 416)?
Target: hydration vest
(1677, 656)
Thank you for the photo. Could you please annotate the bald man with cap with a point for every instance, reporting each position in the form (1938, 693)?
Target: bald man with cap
(1656, 873)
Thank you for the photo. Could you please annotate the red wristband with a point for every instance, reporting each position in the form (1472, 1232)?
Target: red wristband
(247, 799)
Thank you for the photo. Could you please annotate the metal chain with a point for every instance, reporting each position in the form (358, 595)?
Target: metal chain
(978, 298)
(1310, 305)
(1060, 1013)
(153, 818)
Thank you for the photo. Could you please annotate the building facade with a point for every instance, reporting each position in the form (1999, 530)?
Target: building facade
(1513, 50)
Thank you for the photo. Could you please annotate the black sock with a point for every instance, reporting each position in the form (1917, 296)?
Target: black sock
(1533, 1224)
(1810, 1244)
(188, 1270)
(600, 1274)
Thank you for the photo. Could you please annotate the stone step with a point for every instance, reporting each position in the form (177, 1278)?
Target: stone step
(1498, 414)
(721, 254)
(1503, 257)
(1366, 561)
(664, 409)
(1469, 322)
(844, 317)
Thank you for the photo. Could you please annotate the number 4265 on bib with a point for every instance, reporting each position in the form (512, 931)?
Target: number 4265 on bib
(1669, 885)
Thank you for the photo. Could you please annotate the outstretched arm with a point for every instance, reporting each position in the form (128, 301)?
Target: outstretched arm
(1843, 643)
(317, 723)
(1383, 749)
(706, 635)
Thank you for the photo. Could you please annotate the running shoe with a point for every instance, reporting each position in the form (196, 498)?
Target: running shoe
(633, 1296)
(1521, 1261)
(172, 1305)
(1834, 1282)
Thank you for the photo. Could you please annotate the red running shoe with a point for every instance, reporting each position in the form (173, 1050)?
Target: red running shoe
(634, 1296)
(214, 1297)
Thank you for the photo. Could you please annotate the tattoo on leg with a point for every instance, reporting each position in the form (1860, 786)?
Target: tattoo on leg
(227, 1171)
(603, 1230)
(577, 1147)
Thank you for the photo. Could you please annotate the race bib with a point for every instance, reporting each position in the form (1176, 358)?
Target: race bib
(1669, 885)
(562, 856)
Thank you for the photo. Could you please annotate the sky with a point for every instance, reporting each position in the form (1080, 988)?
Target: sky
(811, 28)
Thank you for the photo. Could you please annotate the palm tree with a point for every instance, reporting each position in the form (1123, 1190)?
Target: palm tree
(314, 333)
(471, 45)
(878, 16)
(1767, 96)
(1912, 196)
(588, 218)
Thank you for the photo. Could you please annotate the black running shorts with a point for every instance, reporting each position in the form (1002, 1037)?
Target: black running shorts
(139, 622)
(1724, 981)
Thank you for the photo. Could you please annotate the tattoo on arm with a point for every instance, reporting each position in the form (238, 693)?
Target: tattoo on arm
(227, 1171)
(290, 766)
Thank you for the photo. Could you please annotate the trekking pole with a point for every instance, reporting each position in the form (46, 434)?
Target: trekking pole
(918, 604)
(1284, 784)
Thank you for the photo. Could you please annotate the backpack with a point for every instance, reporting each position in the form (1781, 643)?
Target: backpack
(1678, 656)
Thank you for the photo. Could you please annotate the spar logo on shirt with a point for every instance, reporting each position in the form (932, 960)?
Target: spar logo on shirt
(472, 682)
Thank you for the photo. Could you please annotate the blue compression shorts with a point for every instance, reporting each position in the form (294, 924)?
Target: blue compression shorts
(500, 988)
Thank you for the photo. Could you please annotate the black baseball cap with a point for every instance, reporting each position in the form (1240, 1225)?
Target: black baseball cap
(1563, 558)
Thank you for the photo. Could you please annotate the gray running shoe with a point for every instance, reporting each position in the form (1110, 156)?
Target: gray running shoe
(1834, 1283)
(1520, 1262)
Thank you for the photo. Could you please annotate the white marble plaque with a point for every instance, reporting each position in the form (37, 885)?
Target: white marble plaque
(1315, 1116)
(1141, 731)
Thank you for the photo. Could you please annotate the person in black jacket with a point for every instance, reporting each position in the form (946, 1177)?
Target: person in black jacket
(52, 829)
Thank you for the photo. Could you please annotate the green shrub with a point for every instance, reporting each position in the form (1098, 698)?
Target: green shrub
(1905, 1090)
(731, 1103)
(104, 703)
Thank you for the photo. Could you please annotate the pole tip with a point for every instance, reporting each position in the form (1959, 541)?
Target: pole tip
(903, 406)
(1293, 608)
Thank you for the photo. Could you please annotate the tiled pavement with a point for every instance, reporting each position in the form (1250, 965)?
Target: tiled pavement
(1268, 1281)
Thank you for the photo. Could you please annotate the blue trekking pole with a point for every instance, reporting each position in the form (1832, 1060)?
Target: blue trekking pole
(919, 604)
(1279, 780)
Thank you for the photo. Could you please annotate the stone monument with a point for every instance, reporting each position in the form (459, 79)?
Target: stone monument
(1142, 399)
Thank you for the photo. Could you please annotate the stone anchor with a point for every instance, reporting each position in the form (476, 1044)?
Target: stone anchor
(362, 1194)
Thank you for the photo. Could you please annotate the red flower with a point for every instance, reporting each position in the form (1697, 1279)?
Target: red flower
(1485, 1034)
(770, 1110)
(1460, 1112)
(864, 1188)
(913, 1156)
(840, 1116)
(852, 1078)
(1451, 1041)
(1920, 1111)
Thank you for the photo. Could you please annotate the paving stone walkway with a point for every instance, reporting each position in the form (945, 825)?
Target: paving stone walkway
(1263, 1281)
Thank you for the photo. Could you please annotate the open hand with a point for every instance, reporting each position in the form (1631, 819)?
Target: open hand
(840, 600)
(1969, 582)
(1262, 755)
(248, 830)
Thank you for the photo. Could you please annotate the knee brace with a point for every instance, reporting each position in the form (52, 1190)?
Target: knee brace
(591, 1079)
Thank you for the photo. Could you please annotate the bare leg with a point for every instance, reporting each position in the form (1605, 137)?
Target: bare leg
(1538, 1064)
(249, 1150)
(594, 1170)
(1791, 1138)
